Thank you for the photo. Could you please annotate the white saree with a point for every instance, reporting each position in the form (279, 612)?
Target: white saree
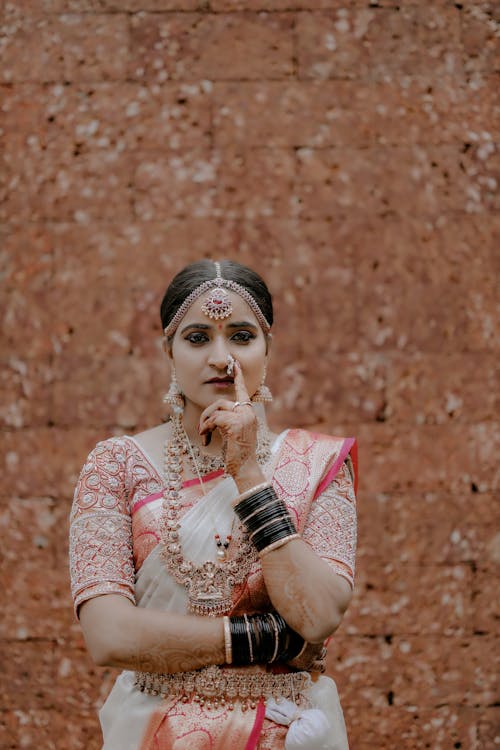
(135, 720)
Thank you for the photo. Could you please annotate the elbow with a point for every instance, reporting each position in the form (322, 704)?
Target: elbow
(326, 620)
(319, 631)
(108, 628)
(106, 646)
(100, 652)
(110, 655)
(101, 659)
(112, 651)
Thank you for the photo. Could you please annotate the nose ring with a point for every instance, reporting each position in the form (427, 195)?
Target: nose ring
(230, 364)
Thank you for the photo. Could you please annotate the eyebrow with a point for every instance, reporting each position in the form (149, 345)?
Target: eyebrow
(203, 326)
(207, 327)
(242, 324)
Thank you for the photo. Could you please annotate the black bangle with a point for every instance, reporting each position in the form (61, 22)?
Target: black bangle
(280, 530)
(239, 641)
(266, 518)
(269, 510)
(247, 507)
(262, 639)
(293, 646)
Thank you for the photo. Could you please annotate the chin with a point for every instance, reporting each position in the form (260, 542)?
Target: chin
(201, 403)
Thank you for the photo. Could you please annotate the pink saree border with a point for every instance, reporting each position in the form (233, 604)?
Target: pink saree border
(257, 727)
(348, 446)
(190, 483)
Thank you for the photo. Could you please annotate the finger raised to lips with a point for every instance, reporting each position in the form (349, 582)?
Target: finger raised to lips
(239, 384)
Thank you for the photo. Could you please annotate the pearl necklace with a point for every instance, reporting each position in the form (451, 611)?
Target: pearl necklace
(209, 585)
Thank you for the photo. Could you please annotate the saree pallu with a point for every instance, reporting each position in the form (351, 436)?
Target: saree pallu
(303, 469)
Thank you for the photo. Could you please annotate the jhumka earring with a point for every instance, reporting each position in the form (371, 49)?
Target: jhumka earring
(263, 394)
(174, 396)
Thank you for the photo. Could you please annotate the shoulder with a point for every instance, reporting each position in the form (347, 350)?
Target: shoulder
(102, 481)
(153, 432)
(110, 449)
(308, 440)
(107, 461)
(325, 452)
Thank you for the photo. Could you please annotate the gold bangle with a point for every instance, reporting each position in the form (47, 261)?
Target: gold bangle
(278, 544)
(228, 644)
(276, 638)
(249, 635)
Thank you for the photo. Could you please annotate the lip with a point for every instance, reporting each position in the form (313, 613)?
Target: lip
(220, 381)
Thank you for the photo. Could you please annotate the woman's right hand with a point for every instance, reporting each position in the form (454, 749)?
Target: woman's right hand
(238, 427)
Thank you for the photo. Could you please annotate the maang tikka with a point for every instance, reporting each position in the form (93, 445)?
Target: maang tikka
(218, 304)
(174, 396)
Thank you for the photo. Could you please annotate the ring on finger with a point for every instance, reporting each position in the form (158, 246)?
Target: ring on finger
(241, 403)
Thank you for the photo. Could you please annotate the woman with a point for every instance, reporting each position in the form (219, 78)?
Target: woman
(211, 559)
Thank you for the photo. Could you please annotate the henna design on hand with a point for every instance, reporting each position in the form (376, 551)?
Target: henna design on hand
(238, 427)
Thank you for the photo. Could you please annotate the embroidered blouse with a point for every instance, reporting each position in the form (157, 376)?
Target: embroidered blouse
(115, 515)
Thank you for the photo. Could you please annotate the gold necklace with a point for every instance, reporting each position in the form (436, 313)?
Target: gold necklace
(210, 584)
(202, 463)
(222, 547)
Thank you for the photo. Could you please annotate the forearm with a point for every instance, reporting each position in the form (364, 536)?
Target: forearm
(310, 596)
(118, 634)
(249, 475)
(307, 593)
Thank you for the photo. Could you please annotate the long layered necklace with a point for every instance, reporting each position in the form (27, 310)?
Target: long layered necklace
(209, 584)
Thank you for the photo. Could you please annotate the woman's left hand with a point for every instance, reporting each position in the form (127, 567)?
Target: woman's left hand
(238, 426)
(312, 658)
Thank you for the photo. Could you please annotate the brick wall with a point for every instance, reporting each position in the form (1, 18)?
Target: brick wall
(349, 152)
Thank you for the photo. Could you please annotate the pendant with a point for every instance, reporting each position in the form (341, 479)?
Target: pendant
(210, 595)
(222, 547)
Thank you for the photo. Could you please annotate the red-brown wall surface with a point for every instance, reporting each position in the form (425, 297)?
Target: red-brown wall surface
(350, 153)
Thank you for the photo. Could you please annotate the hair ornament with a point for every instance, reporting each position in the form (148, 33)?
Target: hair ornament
(218, 305)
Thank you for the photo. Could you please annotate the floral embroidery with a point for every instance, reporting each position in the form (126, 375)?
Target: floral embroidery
(101, 553)
(109, 543)
(331, 525)
(101, 559)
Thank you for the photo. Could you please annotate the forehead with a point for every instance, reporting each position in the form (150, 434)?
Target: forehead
(241, 312)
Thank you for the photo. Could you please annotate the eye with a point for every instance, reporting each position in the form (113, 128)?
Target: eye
(242, 337)
(197, 337)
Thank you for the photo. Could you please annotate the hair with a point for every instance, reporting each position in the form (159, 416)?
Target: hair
(195, 274)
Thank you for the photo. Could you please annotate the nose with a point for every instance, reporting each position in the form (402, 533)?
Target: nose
(219, 352)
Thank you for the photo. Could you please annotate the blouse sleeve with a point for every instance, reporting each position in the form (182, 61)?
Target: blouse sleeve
(101, 553)
(330, 527)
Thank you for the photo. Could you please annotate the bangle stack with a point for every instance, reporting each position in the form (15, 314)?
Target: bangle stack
(266, 518)
(259, 639)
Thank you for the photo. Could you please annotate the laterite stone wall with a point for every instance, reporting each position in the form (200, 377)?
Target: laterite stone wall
(349, 152)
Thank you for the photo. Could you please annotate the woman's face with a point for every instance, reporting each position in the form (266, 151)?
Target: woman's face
(201, 346)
